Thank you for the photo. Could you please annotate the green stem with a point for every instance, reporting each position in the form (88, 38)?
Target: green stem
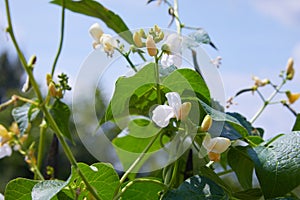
(143, 180)
(177, 21)
(61, 38)
(277, 89)
(47, 115)
(136, 162)
(43, 128)
(225, 172)
(126, 56)
(159, 101)
(37, 173)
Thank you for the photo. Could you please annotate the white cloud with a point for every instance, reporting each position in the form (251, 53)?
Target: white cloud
(287, 11)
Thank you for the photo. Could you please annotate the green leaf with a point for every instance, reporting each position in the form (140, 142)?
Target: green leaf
(23, 115)
(242, 165)
(251, 194)
(277, 164)
(197, 187)
(61, 114)
(296, 126)
(47, 189)
(19, 189)
(104, 179)
(187, 79)
(126, 87)
(95, 9)
(219, 116)
(143, 189)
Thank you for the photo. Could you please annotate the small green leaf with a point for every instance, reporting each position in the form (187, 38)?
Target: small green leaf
(296, 126)
(61, 114)
(19, 189)
(23, 115)
(197, 187)
(95, 9)
(277, 164)
(242, 165)
(103, 178)
(251, 194)
(47, 189)
(143, 189)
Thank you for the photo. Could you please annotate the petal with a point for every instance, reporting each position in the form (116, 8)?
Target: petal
(174, 42)
(207, 144)
(221, 144)
(162, 115)
(96, 31)
(175, 102)
(5, 150)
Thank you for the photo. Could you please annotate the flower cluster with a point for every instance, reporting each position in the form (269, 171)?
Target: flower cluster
(10, 138)
(106, 41)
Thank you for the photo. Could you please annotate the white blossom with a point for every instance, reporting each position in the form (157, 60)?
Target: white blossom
(216, 145)
(172, 56)
(1, 197)
(108, 43)
(163, 113)
(96, 32)
(5, 150)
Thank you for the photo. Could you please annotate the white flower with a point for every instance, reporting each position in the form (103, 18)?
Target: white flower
(163, 113)
(96, 32)
(5, 150)
(108, 43)
(172, 53)
(216, 145)
(168, 60)
(1, 197)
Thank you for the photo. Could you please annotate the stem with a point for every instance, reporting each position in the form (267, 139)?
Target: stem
(157, 81)
(4, 105)
(16, 97)
(61, 38)
(225, 172)
(135, 163)
(49, 118)
(290, 109)
(277, 89)
(140, 180)
(126, 56)
(43, 128)
(176, 13)
(37, 173)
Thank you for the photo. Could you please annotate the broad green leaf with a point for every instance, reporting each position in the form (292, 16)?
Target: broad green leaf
(242, 165)
(211, 175)
(23, 115)
(277, 164)
(61, 114)
(251, 194)
(144, 188)
(47, 189)
(95, 9)
(197, 187)
(19, 189)
(102, 177)
(296, 126)
(219, 116)
(126, 88)
(187, 79)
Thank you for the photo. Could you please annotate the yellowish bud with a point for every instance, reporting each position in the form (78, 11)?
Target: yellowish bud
(137, 40)
(292, 97)
(31, 61)
(290, 71)
(142, 33)
(48, 79)
(14, 128)
(52, 89)
(59, 94)
(151, 47)
(206, 123)
(185, 110)
(4, 134)
(157, 29)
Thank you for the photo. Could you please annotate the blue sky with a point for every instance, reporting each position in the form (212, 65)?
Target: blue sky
(255, 37)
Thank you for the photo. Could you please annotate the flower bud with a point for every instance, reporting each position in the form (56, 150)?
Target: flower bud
(292, 97)
(27, 85)
(52, 89)
(151, 47)
(59, 94)
(185, 109)
(4, 135)
(48, 79)
(290, 71)
(137, 40)
(142, 33)
(206, 123)
(157, 29)
(32, 61)
(96, 32)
